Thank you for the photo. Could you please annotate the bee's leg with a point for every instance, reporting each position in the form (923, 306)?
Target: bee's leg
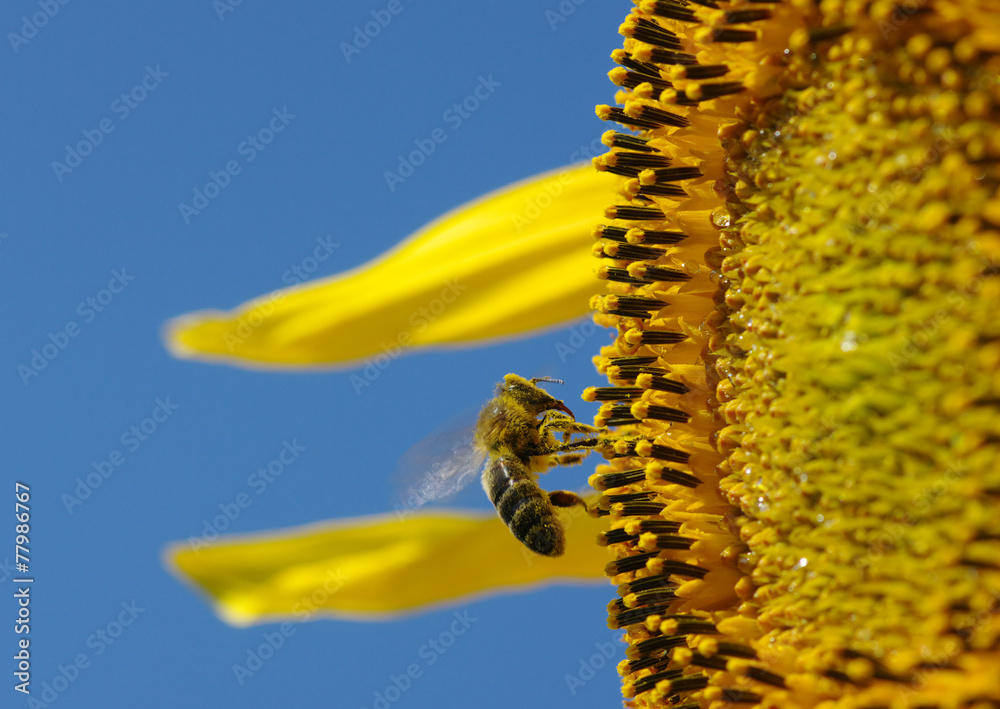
(545, 461)
(555, 421)
(577, 445)
(552, 423)
(565, 498)
(565, 453)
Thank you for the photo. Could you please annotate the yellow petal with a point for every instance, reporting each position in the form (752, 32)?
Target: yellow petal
(369, 568)
(512, 262)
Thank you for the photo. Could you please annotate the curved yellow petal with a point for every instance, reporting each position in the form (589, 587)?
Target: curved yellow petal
(512, 262)
(371, 568)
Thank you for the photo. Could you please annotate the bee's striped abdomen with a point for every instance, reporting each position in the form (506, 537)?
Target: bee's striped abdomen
(523, 505)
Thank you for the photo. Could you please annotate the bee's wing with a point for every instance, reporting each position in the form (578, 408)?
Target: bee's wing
(438, 467)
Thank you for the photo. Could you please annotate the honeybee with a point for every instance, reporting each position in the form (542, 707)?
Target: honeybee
(519, 446)
(515, 436)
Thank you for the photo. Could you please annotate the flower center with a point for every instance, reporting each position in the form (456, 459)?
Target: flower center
(805, 499)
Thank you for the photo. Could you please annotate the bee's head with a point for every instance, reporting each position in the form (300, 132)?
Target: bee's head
(528, 395)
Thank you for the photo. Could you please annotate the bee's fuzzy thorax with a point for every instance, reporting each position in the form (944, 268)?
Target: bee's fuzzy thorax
(802, 272)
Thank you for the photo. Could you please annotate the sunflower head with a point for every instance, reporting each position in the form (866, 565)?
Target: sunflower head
(801, 267)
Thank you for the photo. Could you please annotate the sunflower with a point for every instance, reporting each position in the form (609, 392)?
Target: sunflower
(802, 493)
(803, 253)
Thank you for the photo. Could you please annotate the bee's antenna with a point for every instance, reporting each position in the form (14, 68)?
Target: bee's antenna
(535, 380)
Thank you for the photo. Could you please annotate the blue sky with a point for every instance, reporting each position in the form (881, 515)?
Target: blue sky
(116, 117)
